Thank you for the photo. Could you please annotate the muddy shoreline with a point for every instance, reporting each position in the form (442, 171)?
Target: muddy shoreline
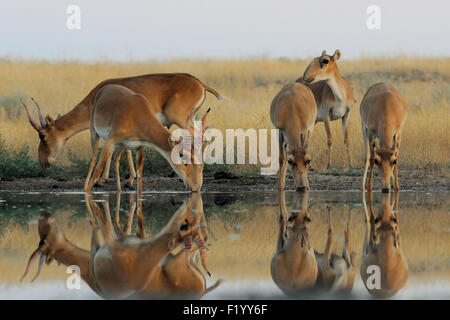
(425, 180)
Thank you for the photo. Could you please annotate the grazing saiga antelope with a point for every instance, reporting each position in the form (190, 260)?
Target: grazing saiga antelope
(383, 114)
(336, 273)
(131, 266)
(175, 97)
(333, 94)
(383, 249)
(125, 118)
(293, 112)
(294, 266)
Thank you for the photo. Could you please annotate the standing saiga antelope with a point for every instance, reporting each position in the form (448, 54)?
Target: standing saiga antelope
(125, 118)
(175, 98)
(336, 273)
(333, 94)
(293, 112)
(383, 114)
(294, 266)
(383, 249)
(131, 266)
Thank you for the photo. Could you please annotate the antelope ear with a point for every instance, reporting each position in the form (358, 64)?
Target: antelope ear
(337, 55)
(324, 52)
(49, 121)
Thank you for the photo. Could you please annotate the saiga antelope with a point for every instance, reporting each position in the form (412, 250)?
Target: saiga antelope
(293, 112)
(336, 273)
(383, 249)
(294, 266)
(333, 94)
(175, 98)
(130, 266)
(383, 114)
(122, 117)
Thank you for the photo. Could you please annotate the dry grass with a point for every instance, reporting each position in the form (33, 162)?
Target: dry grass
(250, 86)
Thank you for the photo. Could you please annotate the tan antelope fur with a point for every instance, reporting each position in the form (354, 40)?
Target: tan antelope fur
(125, 118)
(293, 266)
(383, 248)
(127, 266)
(293, 113)
(383, 114)
(333, 94)
(174, 96)
(336, 273)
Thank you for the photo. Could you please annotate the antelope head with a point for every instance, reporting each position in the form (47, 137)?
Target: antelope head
(52, 140)
(299, 161)
(51, 238)
(385, 225)
(323, 67)
(192, 230)
(191, 151)
(386, 160)
(298, 224)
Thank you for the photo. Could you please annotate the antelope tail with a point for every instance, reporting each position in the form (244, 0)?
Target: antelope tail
(214, 92)
(214, 286)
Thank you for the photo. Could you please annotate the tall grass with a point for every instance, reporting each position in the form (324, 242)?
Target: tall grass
(250, 86)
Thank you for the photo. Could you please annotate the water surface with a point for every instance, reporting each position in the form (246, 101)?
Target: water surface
(242, 238)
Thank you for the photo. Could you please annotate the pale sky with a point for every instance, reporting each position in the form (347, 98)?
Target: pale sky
(167, 29)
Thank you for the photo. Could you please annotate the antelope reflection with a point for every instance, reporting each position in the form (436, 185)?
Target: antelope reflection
(296, 267)
(383, 248)
(128, 266)
(336, 272)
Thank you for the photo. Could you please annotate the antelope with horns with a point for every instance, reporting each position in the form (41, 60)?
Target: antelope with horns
(294, 266)
(336, 273)
(333, 95)
(383, 248)
(129, 266)
(293, 112)
(383, 114)
(123, 117)
(175, 98)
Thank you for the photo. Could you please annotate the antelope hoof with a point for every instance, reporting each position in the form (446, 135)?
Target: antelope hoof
(301, 189)
(98, 184)
(385, 190)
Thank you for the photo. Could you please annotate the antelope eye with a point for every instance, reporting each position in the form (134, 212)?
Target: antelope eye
(41, 136)
(290, 161)
(394, 220)
(325, 61)
(308, 219)
(395, 161)
(307, 162)
(376, 161)
(376, 220)
(291, 218)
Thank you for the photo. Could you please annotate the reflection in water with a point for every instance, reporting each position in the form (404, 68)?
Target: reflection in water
(294, 266)
(384, 269)
(127, 266)
(336, 272)
(241, 241)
